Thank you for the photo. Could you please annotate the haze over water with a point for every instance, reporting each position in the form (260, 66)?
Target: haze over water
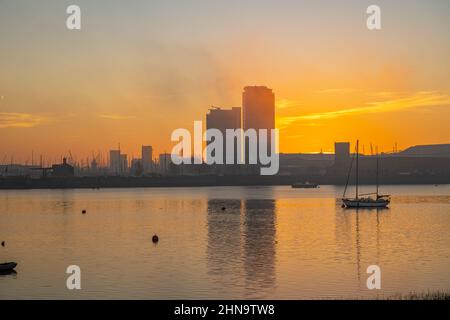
(268, 243)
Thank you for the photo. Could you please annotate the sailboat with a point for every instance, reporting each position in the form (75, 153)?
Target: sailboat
(364, 200)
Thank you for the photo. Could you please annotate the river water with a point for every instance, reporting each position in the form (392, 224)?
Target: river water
(222, 243)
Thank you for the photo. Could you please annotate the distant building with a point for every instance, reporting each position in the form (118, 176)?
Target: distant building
(118, 163)
(11, 170)
(136, 168)
(114, 162)
(165, 163)
(147, 159)
(342, 153)
(258, 103)
(94, 165)
(222, 119)
(305, 164)
(123, 163)
(63, 170)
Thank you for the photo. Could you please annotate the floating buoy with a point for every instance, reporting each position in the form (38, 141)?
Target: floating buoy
(155, 239)
(3, 243)
(83, 212)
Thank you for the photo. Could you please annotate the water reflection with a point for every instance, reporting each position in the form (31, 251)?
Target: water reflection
(241, 244)
(259, 244)
(224, 247)
(222, 243)
(360, 230)
(9, 273)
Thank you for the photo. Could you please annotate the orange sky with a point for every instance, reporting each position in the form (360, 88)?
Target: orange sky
(160, 68)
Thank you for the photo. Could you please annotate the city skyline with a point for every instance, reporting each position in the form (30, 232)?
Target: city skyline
(191, 153)
(64, 91)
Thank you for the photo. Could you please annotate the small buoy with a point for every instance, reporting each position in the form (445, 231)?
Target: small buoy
(3, 243)
(223, 208)
(155, 239)
(83, 212)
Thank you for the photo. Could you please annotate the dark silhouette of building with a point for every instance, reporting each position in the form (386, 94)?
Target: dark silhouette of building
(118, 162)
(222, 120)
(114, 161)
(258, 103)
(304, 164)
(342, 153)
(419, 164)
(136, 168)
(63, 170)
(147, 159)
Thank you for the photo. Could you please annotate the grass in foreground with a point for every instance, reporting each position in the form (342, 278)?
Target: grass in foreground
(430, 295)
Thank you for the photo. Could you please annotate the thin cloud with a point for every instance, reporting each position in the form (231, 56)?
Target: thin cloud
(417, 100)
(20, 120)
(285, 104)
(337, 91)
(115, 116)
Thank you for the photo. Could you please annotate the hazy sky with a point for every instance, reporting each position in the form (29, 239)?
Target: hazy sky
(140, 69)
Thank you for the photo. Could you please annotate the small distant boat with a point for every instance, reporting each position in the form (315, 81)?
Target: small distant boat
(305, 185)
(364, 200)
(366, 203)
(9, 266)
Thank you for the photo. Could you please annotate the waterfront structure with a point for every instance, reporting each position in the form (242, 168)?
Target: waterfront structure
(114, 161)
(118, 163)
(136, 168)
(165, 163)
(223, 119)
(342, 153)
(63, 170)
(258, 112)
(147, 159)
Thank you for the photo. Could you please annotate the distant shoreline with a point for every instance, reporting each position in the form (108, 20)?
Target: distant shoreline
(109, 182)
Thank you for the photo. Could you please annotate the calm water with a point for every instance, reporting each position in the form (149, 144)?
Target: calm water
(270, 242)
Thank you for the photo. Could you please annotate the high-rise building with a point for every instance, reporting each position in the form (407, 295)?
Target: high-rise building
(222, 119)
(341, 153)
(258, 103)
(165, 162)
(118, 163)
(114, 161)
(147, 159)
(136, 168)
(123, 163)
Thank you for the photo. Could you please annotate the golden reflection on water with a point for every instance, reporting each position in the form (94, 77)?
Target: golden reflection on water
(266, 242)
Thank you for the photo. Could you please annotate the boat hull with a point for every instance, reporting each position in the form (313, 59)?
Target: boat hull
(354, 203)
(305, 186)
(7, 266)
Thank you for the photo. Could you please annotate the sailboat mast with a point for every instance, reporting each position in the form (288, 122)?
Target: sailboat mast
(378, 161)
(357, 167)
